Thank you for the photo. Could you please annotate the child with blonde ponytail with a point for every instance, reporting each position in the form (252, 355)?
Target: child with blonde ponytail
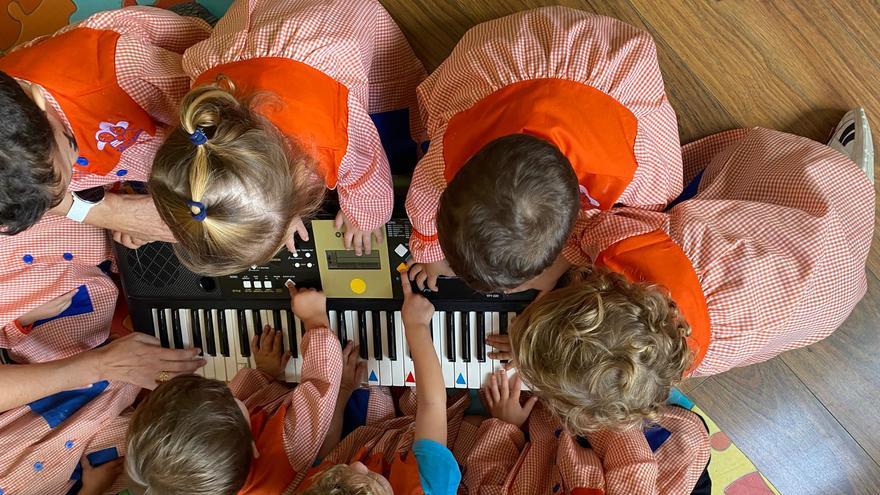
(278, 112)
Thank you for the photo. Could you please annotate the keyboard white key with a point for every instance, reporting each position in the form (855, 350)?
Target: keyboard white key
(409, 371)
(186, 332)
(447, 367)
(461, 367)
(234, 334)
(373, 372)
(155, 313)
(219, 358)
(385, 367)
(252, 324)
(398, 367)
(299, 342)
(473, 366)
(290, 374)
(488, 365)
(208, 369)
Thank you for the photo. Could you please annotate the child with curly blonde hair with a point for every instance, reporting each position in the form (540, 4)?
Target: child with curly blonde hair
(768, 255)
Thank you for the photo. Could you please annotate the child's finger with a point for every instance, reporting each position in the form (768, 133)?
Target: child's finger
(378, 234)
(277, 345)
(504, 385)
(302, 231)
(367, 240)
(348, 237)
(362, 371)
(432, 282)
(421, 278)
(255, 342)
(492, 389)
(340, 219)
(530, 404)
(266, 337)
(405, 285)
(285, 358)
(346, 350)
(354, 355)
(515, 388)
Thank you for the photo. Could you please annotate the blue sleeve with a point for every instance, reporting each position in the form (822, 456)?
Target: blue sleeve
(438, 470)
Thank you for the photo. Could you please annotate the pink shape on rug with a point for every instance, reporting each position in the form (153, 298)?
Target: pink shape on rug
(719, 441)
(750, 484)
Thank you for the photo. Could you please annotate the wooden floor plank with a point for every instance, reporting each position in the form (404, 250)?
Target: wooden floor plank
(843, 371)
(787, 432)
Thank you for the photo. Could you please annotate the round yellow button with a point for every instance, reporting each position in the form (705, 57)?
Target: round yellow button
(358, 286)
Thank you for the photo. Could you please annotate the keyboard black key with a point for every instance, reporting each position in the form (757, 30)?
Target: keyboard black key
(377, 337)
(362, 334)
(392, 335)
(210, 342)
(481, 337)
(163, 329)
(502, 323)
(243, 334)
(450, 336)
(224, 334)
(276, 315)
(196, 326)
(465, 337)
(341, 331)
(176, 330)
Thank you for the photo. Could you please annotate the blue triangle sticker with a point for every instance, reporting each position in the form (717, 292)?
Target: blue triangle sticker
(373, 377)
(460, 380)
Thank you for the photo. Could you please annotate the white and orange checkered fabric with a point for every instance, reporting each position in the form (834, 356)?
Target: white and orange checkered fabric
(504, 460)
(355, 43)
(310, 404)
(778, 235)
(551, 42)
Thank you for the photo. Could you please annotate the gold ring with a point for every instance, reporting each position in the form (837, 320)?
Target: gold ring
(163, 377)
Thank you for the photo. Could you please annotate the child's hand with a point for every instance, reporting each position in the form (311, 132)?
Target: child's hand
(354, 371)
(417, 310)
(502, 397)
(268, 352)
(309, 305)
(501, 343)
(48, 310)
(427, 273)
(98, 480)
(360, 240)
(297, 227)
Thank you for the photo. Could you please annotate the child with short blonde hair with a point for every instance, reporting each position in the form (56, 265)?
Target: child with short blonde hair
(280, 110)
(768, 255)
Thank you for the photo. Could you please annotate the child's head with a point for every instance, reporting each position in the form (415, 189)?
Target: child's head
(190, 436)
(348, 479)
(602, 352)
(507, 214)
(36, 156)
(230, 194)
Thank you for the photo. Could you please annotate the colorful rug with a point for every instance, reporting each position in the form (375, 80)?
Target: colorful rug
(731, 471)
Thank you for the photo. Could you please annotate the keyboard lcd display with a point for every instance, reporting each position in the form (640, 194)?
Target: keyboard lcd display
(347, 260)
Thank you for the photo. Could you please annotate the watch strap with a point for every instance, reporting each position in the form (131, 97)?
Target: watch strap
(79, 209)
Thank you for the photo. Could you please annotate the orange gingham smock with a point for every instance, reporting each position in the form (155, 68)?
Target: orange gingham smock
(778, 235)
(502, 461)
(148, 68)
(355, 43)
(551, 42)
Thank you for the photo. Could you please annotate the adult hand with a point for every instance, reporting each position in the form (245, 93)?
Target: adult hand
(502, 398)
(139, 359)
(354, 371)
(427, 273)
(360, 240)
(269, 354)
(132, 214)
(309, 305)
(127, 240)
(297, 227)
(49, 309)
(417, 310)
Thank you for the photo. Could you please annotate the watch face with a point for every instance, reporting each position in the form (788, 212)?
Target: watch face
(93, 195)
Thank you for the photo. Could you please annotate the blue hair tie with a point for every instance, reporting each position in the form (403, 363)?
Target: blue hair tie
(198, 137)
(197, 210)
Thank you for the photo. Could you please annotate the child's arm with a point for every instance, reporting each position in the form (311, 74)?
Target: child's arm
(431, 391)
(366, 198)
(627, 460)
(353, 374)
(500, 439)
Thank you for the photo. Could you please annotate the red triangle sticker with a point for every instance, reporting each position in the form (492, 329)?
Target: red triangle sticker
(410, 378)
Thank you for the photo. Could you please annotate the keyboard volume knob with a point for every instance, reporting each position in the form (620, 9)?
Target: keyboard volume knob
(207, 284)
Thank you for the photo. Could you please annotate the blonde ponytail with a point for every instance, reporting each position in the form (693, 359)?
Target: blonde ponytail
(228, 183)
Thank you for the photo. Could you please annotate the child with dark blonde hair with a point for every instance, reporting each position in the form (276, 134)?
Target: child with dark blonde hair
(534, 119)
(768, 255)
(278, 112)
(194, 435)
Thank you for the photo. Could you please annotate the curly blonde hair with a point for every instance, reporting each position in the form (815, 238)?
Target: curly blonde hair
(230, 199)
(342, 480)
(602, 352)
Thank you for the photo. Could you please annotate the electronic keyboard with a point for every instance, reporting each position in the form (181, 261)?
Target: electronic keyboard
(220, 315)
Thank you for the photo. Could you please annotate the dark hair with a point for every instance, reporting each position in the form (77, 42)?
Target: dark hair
(28, 182)
(507, 214)
(189, 437)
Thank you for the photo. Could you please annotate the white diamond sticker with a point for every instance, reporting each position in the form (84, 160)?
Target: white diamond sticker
(401, 250)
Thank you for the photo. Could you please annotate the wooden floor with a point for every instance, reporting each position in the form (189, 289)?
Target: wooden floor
(808, 419)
